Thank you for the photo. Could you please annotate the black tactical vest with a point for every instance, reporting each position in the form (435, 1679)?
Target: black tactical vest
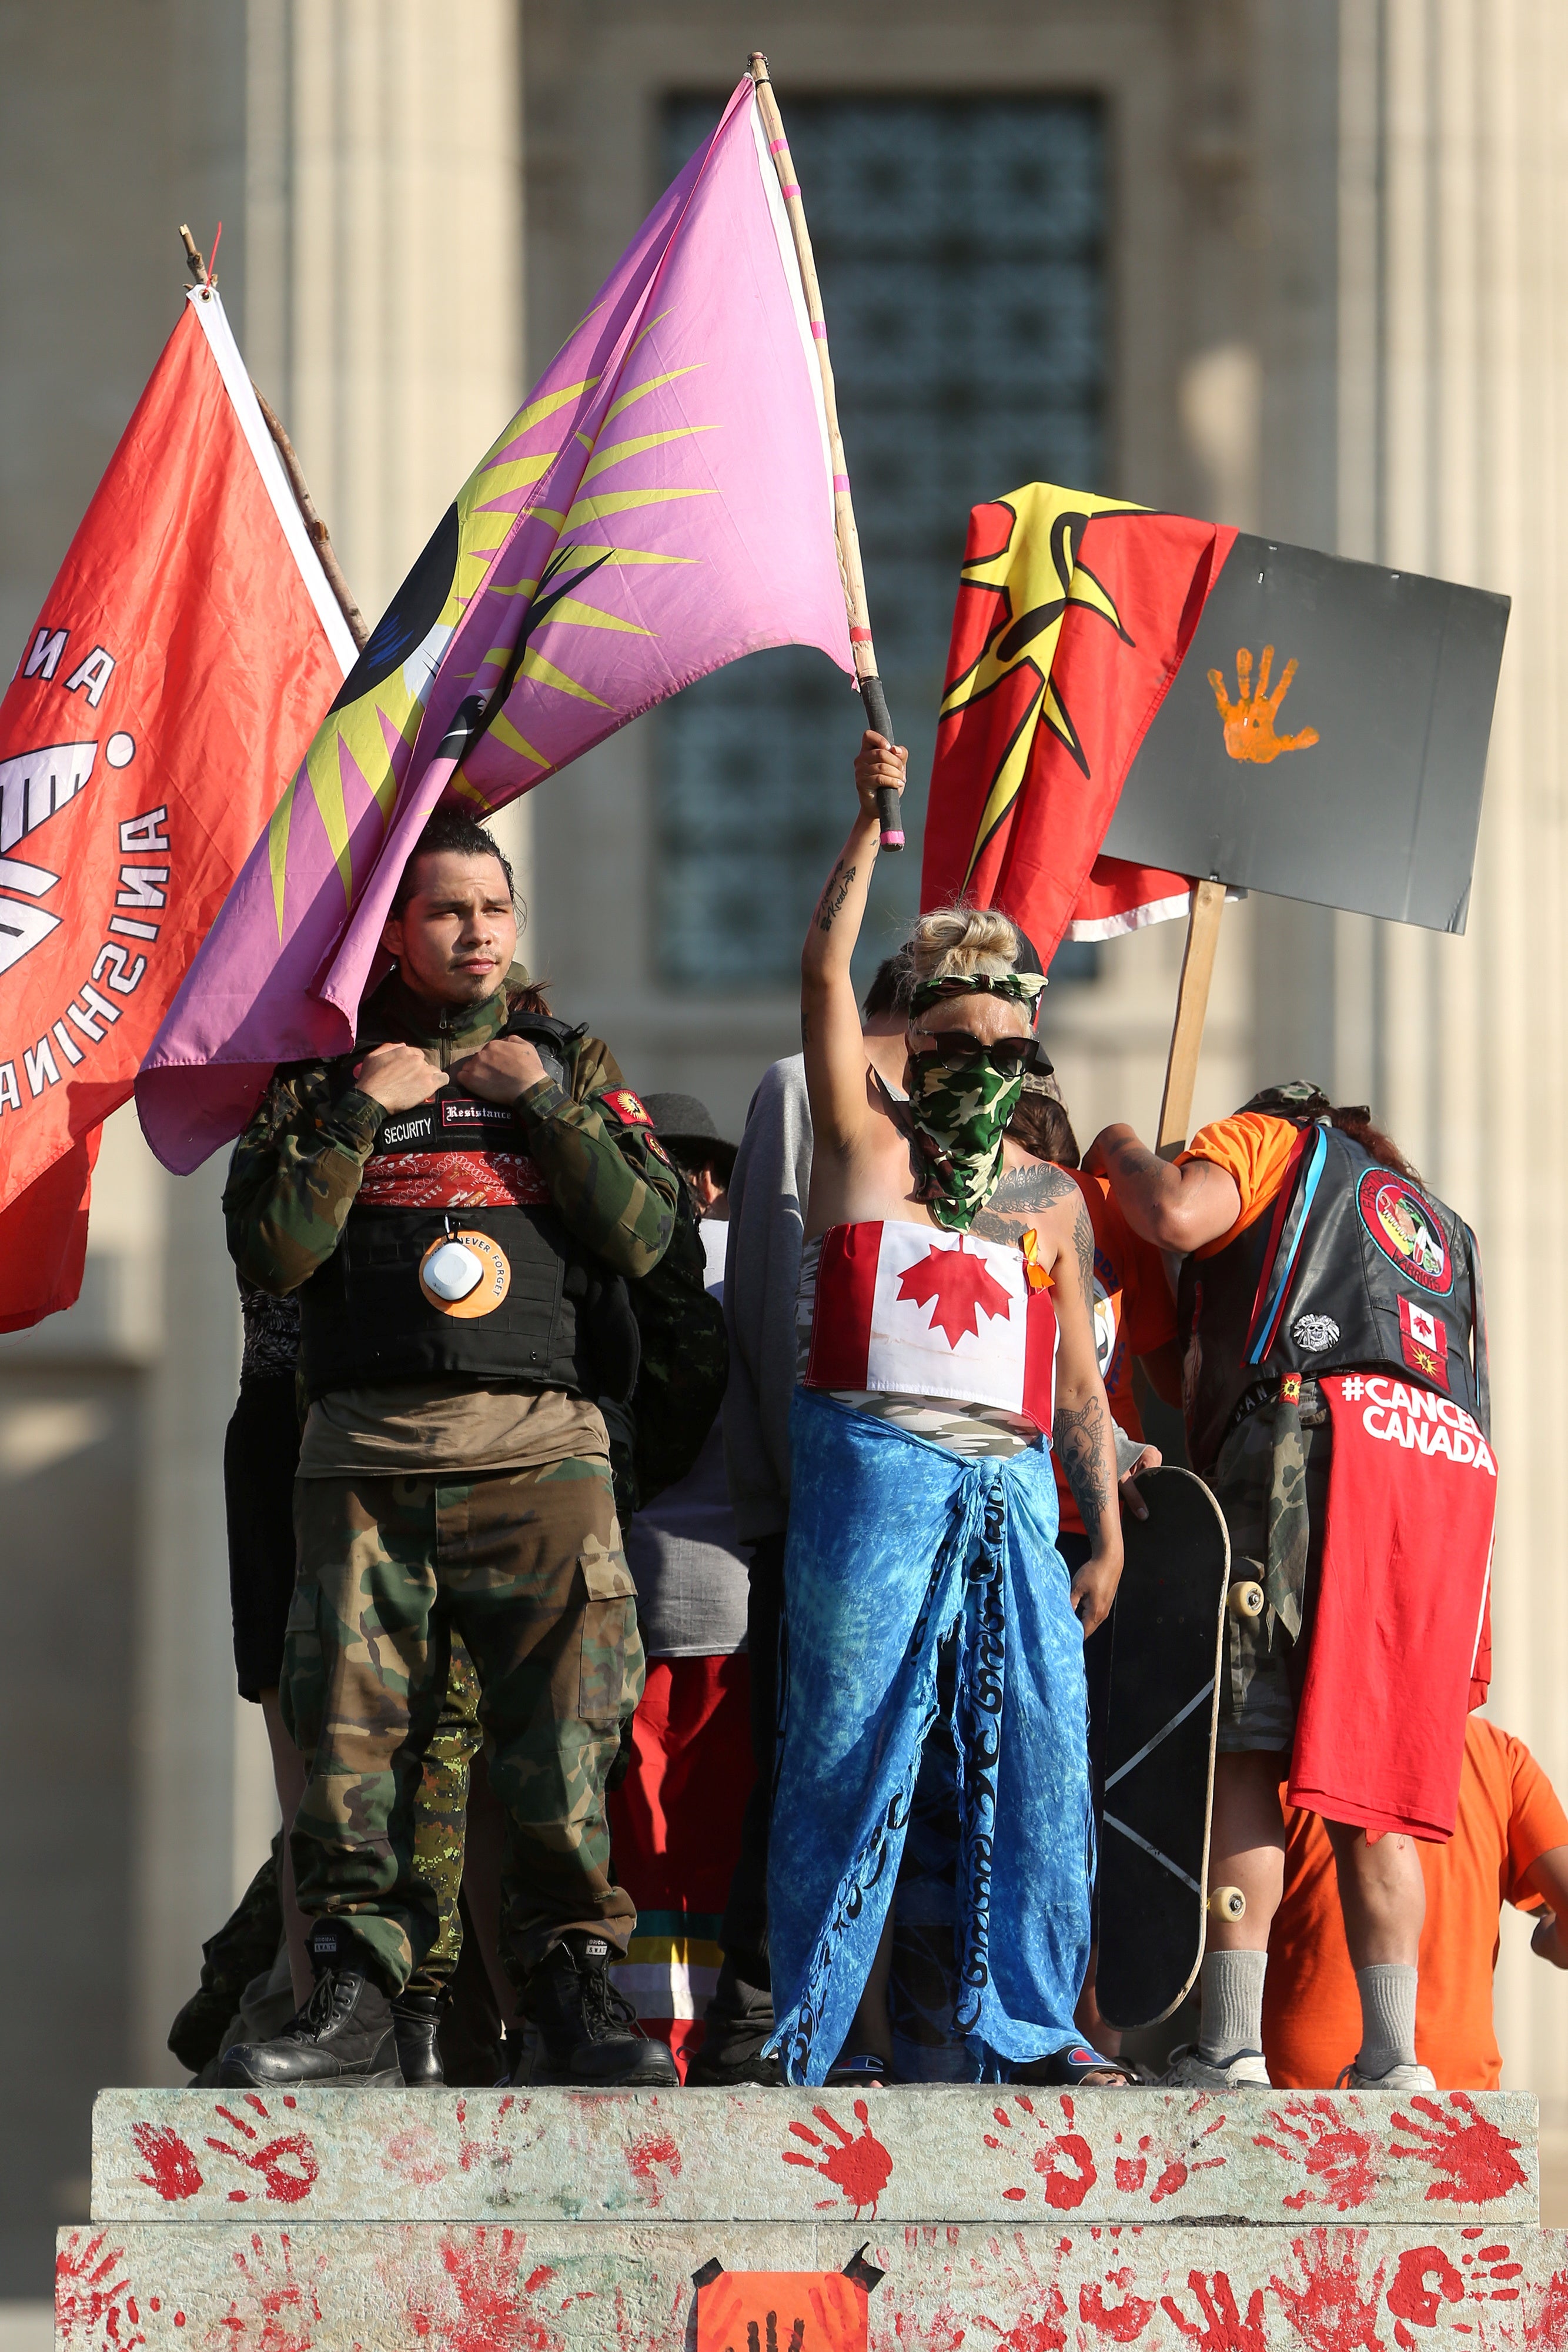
(1352, 1267)
(451, 1166)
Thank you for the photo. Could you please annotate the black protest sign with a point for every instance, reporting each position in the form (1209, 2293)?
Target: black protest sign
(1324, 739)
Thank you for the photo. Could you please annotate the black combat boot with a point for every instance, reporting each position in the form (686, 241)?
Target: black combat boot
(345, 2032)
(416, 2021)
(589, 2032)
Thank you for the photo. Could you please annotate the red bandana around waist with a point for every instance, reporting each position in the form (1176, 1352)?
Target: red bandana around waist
(1400, 1632)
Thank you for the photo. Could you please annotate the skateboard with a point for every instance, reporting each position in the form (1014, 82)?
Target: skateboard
(1167, 1650)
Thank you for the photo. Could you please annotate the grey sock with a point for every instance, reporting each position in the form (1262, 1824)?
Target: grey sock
(1233, 1994)
(1387, 1993)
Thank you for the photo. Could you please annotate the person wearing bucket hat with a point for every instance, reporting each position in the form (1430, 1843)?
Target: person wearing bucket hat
(459, 1204)
(675, 1819)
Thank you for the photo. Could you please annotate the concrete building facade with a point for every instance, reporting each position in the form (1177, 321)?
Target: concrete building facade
(1321, 295)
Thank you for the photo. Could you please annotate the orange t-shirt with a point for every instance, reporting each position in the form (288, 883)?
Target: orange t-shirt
(1254, 1148)
(1140, 1308)
(1509, 1816)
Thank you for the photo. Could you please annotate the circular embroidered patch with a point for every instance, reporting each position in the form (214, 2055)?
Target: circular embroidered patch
(448, 1278)
(1314, 1333)
(1405, 1228)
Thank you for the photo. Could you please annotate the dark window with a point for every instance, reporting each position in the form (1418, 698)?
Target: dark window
(961, 249)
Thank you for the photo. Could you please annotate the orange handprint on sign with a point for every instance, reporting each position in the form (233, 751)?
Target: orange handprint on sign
(1249, 720)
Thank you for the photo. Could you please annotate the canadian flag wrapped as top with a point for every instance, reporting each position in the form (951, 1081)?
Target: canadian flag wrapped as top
(928, 1313)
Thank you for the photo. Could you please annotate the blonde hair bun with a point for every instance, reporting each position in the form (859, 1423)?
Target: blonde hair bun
(954, 942)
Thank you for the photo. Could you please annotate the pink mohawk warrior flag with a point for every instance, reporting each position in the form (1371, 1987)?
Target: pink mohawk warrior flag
(661, 504)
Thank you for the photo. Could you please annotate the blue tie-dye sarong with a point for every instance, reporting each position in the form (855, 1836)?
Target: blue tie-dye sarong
(895, 1546)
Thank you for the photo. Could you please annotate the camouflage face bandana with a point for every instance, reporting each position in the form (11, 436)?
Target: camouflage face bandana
(958, 1110)
(960, 1102)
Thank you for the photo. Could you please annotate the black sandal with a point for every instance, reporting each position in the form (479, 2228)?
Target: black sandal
(1070, 2069)
(859, 2074)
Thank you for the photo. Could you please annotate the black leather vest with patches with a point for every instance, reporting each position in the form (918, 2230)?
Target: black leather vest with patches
(1352, 1268)
(451, 1166)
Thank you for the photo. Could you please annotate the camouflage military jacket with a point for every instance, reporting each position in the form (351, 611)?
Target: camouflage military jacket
(297, 1166)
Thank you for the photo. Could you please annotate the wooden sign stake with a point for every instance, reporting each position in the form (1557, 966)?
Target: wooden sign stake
(1192, 1004)
(870, 686)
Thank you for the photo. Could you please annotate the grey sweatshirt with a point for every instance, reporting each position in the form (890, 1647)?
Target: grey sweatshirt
(762, 1270)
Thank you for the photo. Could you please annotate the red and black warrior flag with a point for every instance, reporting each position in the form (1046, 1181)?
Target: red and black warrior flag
(1074, 615)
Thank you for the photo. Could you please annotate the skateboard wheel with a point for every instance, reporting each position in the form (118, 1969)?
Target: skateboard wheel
(1245, 1599)
(1227, 1902)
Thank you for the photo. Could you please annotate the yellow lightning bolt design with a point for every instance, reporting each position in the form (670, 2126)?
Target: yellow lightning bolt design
(1040, 572)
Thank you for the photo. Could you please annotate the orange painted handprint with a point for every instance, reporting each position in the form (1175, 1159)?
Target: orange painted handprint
(1249, 720)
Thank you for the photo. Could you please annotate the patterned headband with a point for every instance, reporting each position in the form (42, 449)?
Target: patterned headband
(1020, 987)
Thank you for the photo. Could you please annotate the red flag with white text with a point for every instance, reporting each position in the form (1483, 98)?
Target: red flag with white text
(180, 665)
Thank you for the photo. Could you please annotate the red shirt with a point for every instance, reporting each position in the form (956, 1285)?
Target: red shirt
(1138, 1314)
(1509, 1816)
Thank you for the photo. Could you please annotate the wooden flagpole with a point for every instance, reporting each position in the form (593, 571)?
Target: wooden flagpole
(315, 529)
(866, 679)
(1192, 1004)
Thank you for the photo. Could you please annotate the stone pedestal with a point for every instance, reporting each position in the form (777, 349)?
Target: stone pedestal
(556, 2220)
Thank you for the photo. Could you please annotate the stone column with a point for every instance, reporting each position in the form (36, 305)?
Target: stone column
(1452, 397)
(372, 262)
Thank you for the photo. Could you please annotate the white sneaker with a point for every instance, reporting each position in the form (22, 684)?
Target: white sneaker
(1398, 2078)
(1188, 2070)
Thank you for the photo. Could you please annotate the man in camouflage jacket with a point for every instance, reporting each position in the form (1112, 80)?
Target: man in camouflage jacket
(457, 1203)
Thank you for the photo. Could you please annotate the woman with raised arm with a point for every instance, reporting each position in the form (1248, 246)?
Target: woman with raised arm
(938, 1368)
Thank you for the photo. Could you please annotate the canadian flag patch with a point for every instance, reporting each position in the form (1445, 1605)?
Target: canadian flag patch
(928, 1313)
(1423, 1341)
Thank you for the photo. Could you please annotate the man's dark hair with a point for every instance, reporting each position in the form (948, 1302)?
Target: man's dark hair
(449, 829)
(889, 990)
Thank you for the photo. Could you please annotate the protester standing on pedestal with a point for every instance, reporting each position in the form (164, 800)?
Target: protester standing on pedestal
(766, 1211)
(923, 1512)
(458, 1203)
(1335, 1395)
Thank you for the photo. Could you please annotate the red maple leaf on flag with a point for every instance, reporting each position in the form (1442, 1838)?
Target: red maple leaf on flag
(962, 1284)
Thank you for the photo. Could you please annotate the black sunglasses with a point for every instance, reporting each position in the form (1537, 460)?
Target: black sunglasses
(1004, 1054)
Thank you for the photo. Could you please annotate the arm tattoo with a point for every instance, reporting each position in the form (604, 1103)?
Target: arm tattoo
(1020, 1195)
(1131, 1159)
(1081, 1445)
(1083, 1243)
(830, 903)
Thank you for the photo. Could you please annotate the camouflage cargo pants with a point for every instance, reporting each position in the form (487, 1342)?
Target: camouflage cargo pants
(1271, 1484)
(527, 1567)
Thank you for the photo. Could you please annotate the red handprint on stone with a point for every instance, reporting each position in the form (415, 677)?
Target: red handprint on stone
(1065, 2164)
(1410, 2298)
(1479, 2162)
(1223, 2329)
(1121, 2322)
(1336, 2158)
(1175, 2160)
(860, 2168)
(94, 2306)
(1328, 2307)
(172, 2169)
(273, 2310)
(471, 2151)
(286, 2165)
